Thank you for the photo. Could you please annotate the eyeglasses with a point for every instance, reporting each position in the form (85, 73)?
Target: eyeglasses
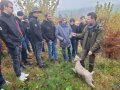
(10, 7)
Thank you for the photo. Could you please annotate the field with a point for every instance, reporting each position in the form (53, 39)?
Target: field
(59, 76)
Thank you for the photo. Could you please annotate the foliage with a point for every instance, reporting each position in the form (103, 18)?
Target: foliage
(111, 23)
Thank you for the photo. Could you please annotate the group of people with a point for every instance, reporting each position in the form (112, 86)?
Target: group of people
(18, 32)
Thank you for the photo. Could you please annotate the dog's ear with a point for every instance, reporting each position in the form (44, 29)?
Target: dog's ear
(76, 56)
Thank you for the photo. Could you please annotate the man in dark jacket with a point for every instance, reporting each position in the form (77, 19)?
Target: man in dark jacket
(36, 35)
(82, 24)
(11, 35)
(80, 29)
(92, 39)
(73, 39)
(2, 81)
(24, 55)
(26, 26)
(48, 29)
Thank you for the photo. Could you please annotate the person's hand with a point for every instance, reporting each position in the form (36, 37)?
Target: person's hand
(50, 42)
(73, 34)
(90, 53)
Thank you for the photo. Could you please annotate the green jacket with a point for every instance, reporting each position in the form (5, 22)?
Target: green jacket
(95, 41)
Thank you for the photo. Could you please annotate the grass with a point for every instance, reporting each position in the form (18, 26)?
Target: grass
(59, 76)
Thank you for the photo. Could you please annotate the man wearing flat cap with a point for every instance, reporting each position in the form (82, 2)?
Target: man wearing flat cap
(36, 36)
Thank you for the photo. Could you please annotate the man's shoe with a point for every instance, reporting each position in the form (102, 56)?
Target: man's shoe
(27, 63)
(22, 78)
(42, 66)
(26, 75)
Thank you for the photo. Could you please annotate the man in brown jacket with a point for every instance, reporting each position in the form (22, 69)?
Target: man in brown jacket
(92, 37)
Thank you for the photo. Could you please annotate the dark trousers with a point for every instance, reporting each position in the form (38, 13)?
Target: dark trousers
(43, 48)
(28, 45)
(77, 43)
(74, 47)
(84, 54)
(2, 81)
(37, 48)
(24, 55)
(16, 57)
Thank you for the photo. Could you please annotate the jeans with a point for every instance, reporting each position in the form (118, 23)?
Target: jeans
(28, 45)
(74, 47)
(38, 52)
(52, 50)
(65, 54)
(16, 57)
(24, 51)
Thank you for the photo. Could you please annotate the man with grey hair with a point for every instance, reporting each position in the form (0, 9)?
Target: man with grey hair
(11, 34)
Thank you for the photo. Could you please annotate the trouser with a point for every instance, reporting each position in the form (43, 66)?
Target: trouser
(77, 43)
(37, 48)
(65, 53)
(43, 48)
(28, 45)
(74, 47)
(52, 50)
(84, 54)
(16, 57)
(24, 55)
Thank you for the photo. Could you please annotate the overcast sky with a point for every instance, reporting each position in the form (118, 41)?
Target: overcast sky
(76, 4)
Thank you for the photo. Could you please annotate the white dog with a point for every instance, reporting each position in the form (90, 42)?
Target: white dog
(80, 70)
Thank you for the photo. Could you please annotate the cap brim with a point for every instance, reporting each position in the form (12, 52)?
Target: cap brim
(36, 11)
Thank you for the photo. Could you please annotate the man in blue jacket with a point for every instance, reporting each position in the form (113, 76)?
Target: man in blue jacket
(63, 33)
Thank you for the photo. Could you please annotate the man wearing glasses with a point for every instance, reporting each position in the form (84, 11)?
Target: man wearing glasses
(11, 34)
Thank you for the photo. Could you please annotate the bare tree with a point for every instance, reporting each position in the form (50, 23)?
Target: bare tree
(44, 5)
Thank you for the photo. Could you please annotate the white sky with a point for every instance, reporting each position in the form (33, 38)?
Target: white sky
(77, 4)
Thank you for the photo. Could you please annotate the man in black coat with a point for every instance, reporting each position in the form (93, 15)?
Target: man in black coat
(11, 34)
(48, 29)
(36, 36)
(80, 29)
(24, 55)
(26, 26)
(2, 81)
(73, 39)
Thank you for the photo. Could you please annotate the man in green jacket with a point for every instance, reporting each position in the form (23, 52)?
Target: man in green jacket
(92, 37)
